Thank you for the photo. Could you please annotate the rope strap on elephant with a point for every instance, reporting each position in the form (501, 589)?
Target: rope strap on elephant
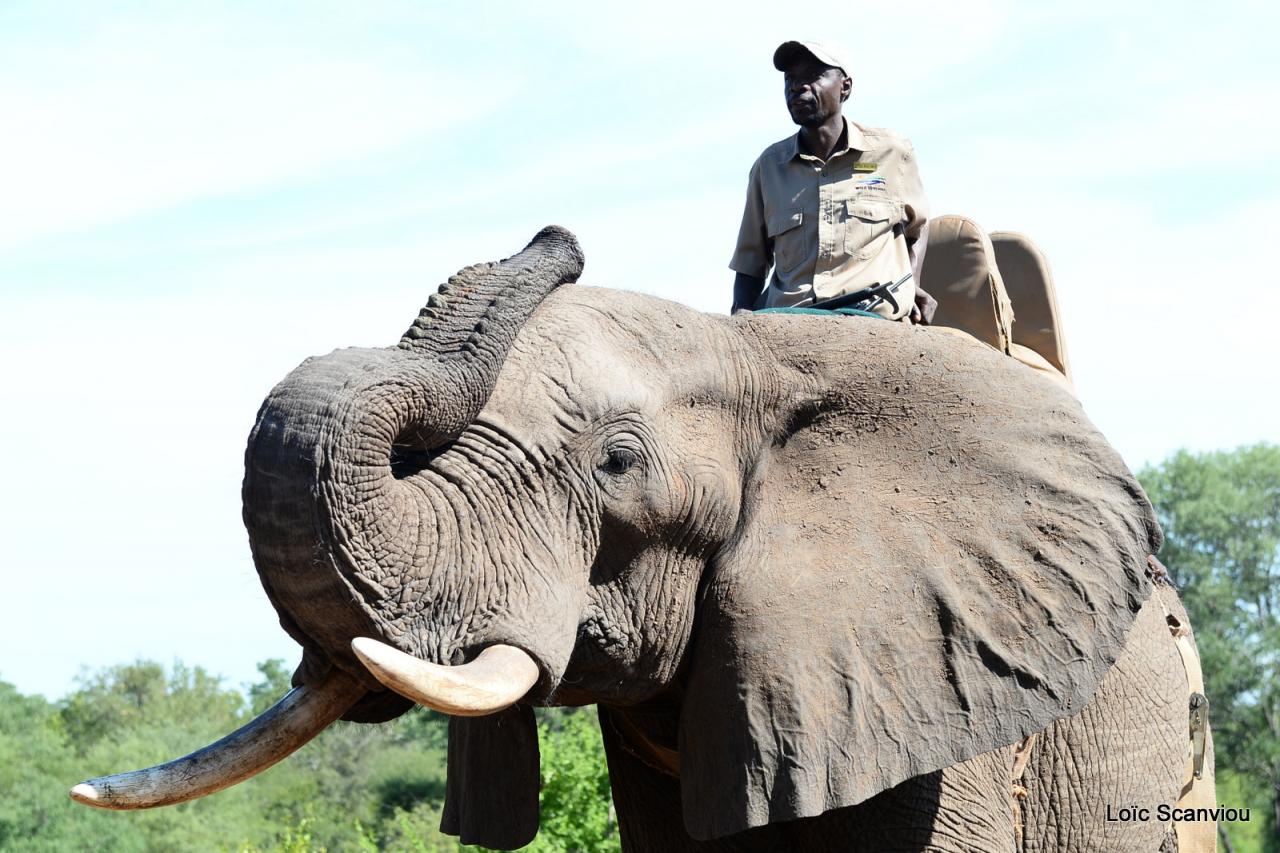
(653, 755)
(822, 312)
(1021, 755)
(1197, 792)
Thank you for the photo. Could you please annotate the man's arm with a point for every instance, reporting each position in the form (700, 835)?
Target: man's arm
(753, 253)
(926, 306)
(746, 290)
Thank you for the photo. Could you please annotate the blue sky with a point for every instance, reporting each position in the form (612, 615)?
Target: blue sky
(195, 197)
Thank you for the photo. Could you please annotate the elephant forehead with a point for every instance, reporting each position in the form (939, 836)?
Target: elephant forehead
(564, 383)
(589, 352)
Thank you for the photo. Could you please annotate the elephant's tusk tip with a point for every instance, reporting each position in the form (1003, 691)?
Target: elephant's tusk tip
(87, 794)
(271, 736)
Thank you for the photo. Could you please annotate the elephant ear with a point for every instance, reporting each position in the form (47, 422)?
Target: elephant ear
(938, 555)
(491, 791)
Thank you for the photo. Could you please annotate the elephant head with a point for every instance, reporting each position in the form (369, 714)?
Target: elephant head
(846, 551)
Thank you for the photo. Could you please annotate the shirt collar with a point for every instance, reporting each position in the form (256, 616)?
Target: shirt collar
(854, 141)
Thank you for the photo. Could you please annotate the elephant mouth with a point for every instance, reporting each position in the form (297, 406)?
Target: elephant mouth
(499, 677)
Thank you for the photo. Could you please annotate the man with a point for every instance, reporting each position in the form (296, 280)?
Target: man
(837, 210)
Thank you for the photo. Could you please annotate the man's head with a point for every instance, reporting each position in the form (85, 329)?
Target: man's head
(815, 80)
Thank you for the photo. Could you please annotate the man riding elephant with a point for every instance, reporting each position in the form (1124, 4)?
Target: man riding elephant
(838, 210)
(549, 494)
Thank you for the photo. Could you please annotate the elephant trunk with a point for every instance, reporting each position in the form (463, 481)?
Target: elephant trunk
(468, 325)
(332, 528)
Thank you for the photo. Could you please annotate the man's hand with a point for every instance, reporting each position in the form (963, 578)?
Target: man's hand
(924, 308)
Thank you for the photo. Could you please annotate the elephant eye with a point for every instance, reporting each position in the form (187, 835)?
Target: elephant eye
(619, 461)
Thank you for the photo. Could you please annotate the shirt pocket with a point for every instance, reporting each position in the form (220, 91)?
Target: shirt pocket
(867, 224)
(788, 239)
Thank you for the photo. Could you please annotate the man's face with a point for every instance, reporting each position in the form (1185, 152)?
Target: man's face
(814, 91)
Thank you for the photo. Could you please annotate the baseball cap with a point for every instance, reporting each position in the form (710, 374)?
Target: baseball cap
(827, 53)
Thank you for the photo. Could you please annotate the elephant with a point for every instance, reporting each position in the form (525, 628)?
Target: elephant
(833, 583)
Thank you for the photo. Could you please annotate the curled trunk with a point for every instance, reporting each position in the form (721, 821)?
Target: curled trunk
(332, 530)
(335, 535)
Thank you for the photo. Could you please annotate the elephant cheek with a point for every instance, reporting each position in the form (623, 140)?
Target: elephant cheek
(636, 626)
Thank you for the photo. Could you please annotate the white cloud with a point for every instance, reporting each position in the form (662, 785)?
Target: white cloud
(144, 114)
(685, 38)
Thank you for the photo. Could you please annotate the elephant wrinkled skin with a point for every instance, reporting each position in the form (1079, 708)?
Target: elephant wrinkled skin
(819, 574)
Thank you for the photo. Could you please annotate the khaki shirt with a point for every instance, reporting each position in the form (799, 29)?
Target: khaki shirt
(833, 228)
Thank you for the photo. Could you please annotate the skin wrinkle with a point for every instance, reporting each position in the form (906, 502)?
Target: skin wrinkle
(486, 482)
(429, 532)
(668, 566)
(484, 578)
(499, 493)
(522, 484)
(389, 548)
(411, 590)
(451, 596)
(549, 550)
(380, 546)
(526, 461)
(1139, 750)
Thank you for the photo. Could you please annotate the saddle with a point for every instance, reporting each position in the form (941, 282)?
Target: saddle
(978, 279)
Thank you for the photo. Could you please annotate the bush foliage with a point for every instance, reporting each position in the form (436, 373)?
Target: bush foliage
(361, 788)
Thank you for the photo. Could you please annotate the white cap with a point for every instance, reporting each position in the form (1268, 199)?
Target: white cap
(827, 54)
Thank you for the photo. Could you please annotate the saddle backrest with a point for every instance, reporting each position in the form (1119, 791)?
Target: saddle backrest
(1030, 286)
(961, 272)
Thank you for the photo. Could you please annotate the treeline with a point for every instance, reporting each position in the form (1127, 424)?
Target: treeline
(366, 788)
(354, 788)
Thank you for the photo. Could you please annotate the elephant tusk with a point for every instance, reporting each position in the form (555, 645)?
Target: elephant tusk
(273, 735)
(495, 680)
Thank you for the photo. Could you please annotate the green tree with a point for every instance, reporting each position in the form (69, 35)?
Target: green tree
(1221, 517)
(275, 683)
(576, 802)
(36, 760)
